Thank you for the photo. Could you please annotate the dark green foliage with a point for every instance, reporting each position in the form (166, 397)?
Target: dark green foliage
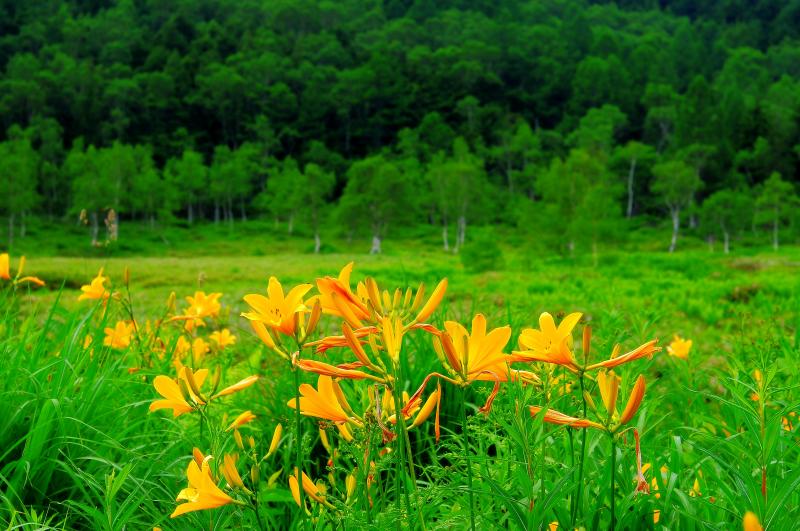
(190, 108)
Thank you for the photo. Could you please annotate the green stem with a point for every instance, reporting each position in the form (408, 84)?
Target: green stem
(400, 444)
(297, 441)
(577, 506)
(258, 515)
(465, 436)
(365, 475)
(613, 483)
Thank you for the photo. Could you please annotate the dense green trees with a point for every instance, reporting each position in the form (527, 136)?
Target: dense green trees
(217, 109)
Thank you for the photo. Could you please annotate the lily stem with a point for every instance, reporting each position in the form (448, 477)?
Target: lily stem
(298, 440)
(613, 483)
(465, 437)
(577, 507)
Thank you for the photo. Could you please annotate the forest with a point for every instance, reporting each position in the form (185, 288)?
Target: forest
(579, 121)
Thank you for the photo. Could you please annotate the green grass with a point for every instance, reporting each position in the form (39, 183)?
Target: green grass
(78, 448)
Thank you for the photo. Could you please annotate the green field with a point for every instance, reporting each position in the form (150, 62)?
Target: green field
(81, 450)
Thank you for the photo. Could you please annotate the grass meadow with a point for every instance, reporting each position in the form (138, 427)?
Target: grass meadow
(716, 429)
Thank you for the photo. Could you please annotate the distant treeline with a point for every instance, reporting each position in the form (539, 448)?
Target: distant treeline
(562, 116)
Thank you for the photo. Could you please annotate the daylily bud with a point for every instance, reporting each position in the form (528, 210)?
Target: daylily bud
(238, 438)
(171, 303)
(323, 437)
(274, 477)
(374, 294)
(426, 409)
(188, 376)
(255, 472)
(313, 320)
(276, 440)
(252, 442)
(587, 341)
(126, 276)
(216, 378)
(350, 483)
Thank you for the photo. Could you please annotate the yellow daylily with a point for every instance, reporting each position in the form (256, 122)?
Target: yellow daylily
(173, 393)
(679, 348)
(96, 289)
(276, 310)
(477, 355)
(550, 343)
(223, 338)
(202, 305)
(310, 488)
(335, 293)
(324, 402)
(202, 492)
(120, 336)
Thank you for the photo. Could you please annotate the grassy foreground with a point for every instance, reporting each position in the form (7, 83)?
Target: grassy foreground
(719, 435)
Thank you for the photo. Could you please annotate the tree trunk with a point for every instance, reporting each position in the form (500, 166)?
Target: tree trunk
(710, 241)
(631, 176)
(775, 233)
(445, 237)
(376, 244)
(317, 242)
(216, 211)
(10, 229)
(726, 238)
(22, 226)
(95, 227)
(692, 215)
(676, 225)
(461, 232)
(190, 214)
(291, 224)
(243, 210)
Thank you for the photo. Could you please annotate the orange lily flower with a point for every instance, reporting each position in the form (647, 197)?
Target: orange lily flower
(309, 487)
(120, 336)
(202, 305)
(337, 298)
(173, 394)
(549, 343)
(276, 310)
(96, 289)
(323, 402)
(223, 338)
(679, 348)
(202, 492)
